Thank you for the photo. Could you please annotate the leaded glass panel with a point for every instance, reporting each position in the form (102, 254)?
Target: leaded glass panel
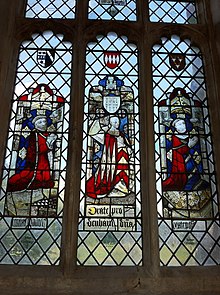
(110, 203)
(112, 10)
(173, 11)
(50, 9)
(188, 208)
(34, 172)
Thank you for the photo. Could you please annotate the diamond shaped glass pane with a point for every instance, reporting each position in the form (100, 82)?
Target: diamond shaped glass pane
(173, 11)
(112, 10)
(50, 9)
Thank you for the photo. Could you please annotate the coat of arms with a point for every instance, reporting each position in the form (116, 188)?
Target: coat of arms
(177, 61)
(111, 103)
(45, 58)
(112, 59)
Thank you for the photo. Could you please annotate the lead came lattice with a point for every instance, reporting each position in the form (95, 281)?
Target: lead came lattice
(33, 177)
(173, 11)
(110, 211)
(50, 9)
(112, 10)
(188, 214)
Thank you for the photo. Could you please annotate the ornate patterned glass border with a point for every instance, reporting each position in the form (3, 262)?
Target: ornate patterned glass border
(33, 177)
(188, 205)
(173, 11)
(50, 9)
(110, 203)
(112, 10)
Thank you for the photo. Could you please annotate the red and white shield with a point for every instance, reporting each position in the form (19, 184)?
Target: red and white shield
(112, 59)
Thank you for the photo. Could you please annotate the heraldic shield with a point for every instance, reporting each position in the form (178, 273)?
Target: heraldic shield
(111, 103)
(111, 94)
(45, 57)
(177, 61)
(112, 59)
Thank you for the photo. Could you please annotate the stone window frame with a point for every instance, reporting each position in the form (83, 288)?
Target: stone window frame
(68, 278)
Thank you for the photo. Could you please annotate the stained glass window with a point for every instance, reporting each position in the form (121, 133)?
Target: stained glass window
(33, 182)
(112, 9)
(110, 203)
(50, 8)
(173, 11)
(188, 212)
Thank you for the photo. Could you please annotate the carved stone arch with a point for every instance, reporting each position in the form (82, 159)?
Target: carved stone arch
(131, 30)
(197, 35)
(25, 31)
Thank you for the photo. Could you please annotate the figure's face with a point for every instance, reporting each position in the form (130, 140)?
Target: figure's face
(114, 121)
(41, 124)
(180, 126)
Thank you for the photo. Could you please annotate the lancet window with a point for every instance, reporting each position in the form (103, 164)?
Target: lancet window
(110, 198)
(34, 172)
(186, 182)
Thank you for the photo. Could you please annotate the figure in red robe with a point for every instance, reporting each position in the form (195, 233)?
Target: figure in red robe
(36, 172)
(185, 173)
(111, 178)
(178, 177)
